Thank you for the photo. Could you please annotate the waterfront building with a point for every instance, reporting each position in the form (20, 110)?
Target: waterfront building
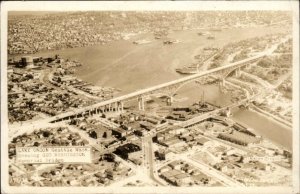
(201, 140)
(119, 132)
(27, 62)
(238, 138)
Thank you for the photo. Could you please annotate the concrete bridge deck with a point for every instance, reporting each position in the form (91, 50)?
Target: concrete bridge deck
(151, 90)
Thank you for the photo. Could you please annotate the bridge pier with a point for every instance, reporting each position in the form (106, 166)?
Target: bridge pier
(170, 100)
(122, 106)
(141, 103)
(238, 72)
(222, 83)
(248, 66)
(118, 106)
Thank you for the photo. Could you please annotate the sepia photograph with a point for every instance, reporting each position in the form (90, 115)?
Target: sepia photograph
(150, 97)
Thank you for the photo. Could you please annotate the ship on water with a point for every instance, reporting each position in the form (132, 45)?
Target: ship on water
(141, 42)
(187, 70)
(171, 41)
(216, 29)
(210, 37)
(204, 33)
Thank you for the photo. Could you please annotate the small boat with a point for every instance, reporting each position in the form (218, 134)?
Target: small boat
(216, 29)
(170, 41)
(204, 33)
(187, 70)
(141, 41)
(210, 37)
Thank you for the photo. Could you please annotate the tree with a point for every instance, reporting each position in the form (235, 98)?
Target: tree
(265, 62)
(93, 134)
(46, 133)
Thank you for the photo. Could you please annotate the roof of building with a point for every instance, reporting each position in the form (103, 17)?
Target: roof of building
(201, 140)
(188, 138)
(239, 136)
(146, 124)
(182, 176)
(120, 130)
(172, 141)
(199, 176)
(174, 163)
(171, 173)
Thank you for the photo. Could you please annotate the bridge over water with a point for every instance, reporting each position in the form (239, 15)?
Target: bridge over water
(116, 104)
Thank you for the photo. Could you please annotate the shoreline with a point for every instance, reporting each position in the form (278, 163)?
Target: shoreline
(131, 37)
(257, 132)
(287, 126)
(271, 119)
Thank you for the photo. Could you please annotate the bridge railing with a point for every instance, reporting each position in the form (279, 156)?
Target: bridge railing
(154, 88)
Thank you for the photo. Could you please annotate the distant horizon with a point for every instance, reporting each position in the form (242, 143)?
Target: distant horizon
(17, 13)
(76, 11)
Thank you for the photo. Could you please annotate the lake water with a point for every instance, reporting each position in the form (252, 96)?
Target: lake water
(274, 131)
(270, 129)
(130, 67)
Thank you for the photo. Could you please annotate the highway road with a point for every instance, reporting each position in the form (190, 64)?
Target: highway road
(214, 173)
(204, 116)
(149, 159)
(158, 87)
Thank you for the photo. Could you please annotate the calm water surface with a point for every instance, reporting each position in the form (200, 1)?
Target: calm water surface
(130, 67)
(268, 128)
